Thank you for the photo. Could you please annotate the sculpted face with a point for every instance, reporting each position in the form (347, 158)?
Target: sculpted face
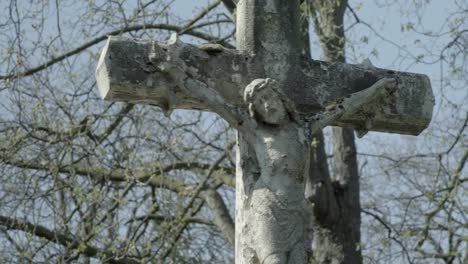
(269, 108)
(265, 103)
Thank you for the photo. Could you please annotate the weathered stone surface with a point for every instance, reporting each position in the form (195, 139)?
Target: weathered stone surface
(158, 73)
(273, 55)
(408, 111)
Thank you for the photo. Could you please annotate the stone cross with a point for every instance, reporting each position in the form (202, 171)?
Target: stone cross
(276, 99)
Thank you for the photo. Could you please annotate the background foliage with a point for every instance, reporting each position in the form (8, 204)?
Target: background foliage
(88, 181)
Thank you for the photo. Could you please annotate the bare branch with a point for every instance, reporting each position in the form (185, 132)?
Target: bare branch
(152, 177)
(202, 14)
(62, 239)
(230, 5)
(390, 232)
(97, 40)
(222, 218)
(194, 194)
(163, 218)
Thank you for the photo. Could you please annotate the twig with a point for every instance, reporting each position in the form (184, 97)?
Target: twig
(97, 40)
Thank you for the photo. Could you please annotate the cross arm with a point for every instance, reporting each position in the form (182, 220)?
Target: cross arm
(172, 75)
(407, 110)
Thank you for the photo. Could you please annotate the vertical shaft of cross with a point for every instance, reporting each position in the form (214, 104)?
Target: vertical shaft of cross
(271, 212)
(270, 30)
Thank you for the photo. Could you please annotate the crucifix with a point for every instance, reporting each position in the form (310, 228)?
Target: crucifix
(276, 99)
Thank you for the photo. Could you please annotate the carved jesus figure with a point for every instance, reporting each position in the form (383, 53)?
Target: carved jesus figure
(280, 143)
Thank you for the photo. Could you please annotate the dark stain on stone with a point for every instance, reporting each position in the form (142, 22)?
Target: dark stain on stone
(365, 81)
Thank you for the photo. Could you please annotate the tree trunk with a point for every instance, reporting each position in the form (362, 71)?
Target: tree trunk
(337, 234)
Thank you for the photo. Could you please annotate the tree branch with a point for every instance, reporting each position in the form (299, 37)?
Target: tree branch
(389, 232)
(194, 20)
(162, 218)
(122, 113)
(230, 5)
(153, 177)
(449, 195)
(185, 211)
(222, 218)
(63, 239)
(101, 38)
